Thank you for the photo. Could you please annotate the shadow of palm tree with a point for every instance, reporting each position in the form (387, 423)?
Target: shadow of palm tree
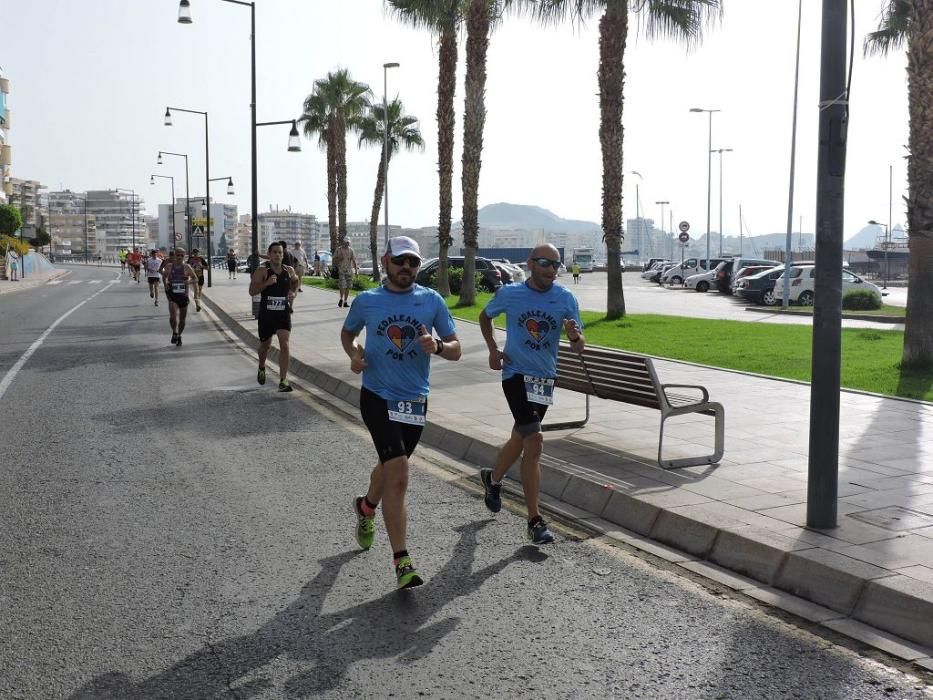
(394, 625)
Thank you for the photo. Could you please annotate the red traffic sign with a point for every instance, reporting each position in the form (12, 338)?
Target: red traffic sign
(683, 237)
(684, 226)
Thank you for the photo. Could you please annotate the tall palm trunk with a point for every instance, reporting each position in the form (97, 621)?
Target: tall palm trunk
(613, 27)
(341, 165)
(446, 123)
(474, 118)
(374, 217)
(332, 192)
(918, 328)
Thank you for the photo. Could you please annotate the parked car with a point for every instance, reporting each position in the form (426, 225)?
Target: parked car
(726, 273)
(747, 271)
(654, 269)
(691, 266)
(659, 271)
(515, 272)
(759, 287)
(651, 261)
(702, 281)
(802, 283)
(492, 278)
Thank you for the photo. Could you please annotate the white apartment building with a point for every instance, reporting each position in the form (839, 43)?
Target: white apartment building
(358, 235)
(223, 226)
(6, 151)
(30, 197)
(293, 227)
(119, 217)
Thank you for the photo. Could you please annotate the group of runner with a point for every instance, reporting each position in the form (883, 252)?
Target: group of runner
(132, 260)
(178, 277)
(406, 325)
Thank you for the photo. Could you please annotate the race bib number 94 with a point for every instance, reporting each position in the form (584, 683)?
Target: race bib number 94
(411, 412)
(179, 288)
(539, 390)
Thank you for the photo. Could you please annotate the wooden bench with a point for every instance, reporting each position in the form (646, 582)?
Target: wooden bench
(620, 376)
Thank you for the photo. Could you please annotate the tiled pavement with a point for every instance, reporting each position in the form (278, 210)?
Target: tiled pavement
(742, 521)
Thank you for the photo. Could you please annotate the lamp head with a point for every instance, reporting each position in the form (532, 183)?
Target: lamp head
(159, 160)
(697, 109)
(390, 65)
(168, 117)
(294, 140)
(184, 12)
(230, 185)
(152, 179)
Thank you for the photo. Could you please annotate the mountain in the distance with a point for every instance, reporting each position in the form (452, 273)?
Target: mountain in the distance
(526, 217)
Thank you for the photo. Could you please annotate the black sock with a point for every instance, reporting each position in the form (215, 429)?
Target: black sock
(398, 555)
(535, 520)
(371, 506)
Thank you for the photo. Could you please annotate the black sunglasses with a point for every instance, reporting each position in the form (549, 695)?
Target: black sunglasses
(400, 260)
(546, 262)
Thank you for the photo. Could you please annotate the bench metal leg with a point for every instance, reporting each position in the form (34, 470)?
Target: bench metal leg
(570, 424)
(714, 458)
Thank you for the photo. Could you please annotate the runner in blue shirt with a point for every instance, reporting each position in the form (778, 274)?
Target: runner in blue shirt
(399, 318)
(535, 311)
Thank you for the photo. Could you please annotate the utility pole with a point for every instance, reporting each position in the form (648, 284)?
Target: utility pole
(823, 472)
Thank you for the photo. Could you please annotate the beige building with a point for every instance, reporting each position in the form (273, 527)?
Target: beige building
(6, 151)
(70, 225)
(286, 225)
(31, 198)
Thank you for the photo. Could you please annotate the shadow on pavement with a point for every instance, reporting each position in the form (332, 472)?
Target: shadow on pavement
(395, 625)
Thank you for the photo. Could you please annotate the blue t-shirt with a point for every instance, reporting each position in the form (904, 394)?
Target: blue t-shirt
(533, 324)
(397, 369)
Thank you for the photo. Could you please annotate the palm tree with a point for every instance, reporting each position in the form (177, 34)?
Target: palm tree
(910, 22)
(403, 131)
(681, 19)
(444, 18)
(316, 121)
(340, 103)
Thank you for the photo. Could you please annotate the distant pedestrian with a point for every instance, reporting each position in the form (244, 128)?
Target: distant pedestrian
(14, 270)
(399, 318)
(345, 262)
(317, 265)
(99, 260)
(252, 262)
(534, 311)
(575, 271)
(231, 264)
(301, 262)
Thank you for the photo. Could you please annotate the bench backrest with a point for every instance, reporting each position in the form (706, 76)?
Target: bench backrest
(608, 374)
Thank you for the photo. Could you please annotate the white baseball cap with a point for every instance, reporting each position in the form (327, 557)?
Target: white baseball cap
(403, 245)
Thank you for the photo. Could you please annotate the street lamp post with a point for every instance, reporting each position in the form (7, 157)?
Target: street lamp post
(887, 244)
(385, 146)
(184, 17)
(85, 228)
(709, 174)
(207, 170)
(294, 146)
(168, 177)
(229, 192)
(662, 203)
(187, 198)
(720, 151)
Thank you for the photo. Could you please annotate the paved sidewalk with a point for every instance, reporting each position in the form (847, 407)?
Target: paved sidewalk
(32, 280)
(741, 522)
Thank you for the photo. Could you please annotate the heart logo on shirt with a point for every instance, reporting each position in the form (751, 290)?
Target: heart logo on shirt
(401, 336)
(537, 329)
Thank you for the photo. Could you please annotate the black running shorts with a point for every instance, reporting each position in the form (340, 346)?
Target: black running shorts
(390, 439)
(180, 299)
(200, 280)
(527, 415)
(271, 323)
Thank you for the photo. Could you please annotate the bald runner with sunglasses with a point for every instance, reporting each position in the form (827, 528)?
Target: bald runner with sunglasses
(535, 312)
(400, 318)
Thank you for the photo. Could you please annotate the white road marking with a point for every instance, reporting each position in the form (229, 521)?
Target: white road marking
(75, 282)
(14, 370)
(55, 282)
(94, 281)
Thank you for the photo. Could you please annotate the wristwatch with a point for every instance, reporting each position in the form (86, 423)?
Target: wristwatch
(440, 346)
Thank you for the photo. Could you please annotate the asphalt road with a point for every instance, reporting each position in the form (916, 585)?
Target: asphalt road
(172, 530)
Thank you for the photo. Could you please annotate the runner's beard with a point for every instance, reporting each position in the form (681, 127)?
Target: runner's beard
(396, 278)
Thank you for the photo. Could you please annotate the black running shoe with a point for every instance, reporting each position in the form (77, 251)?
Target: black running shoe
(174, 338)
(178, 342)
(493, 496)
(539, 533)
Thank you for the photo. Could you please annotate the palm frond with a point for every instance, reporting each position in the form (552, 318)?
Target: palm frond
(893, 29)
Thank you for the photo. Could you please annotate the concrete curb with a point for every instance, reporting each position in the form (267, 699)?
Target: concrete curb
(845, 315)
(841, 593)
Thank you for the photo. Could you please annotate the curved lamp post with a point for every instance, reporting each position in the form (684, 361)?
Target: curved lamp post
(172, 178)
(187, 197)
(709, 174)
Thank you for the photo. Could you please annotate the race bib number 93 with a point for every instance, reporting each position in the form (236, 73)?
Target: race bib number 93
(411, 411)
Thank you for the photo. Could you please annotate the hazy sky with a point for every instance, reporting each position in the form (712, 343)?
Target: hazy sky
(91, 80)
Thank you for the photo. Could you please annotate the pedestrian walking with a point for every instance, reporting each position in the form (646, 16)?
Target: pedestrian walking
(14, 268)
(535, 311)
(276, 283)
(345, 262)
(231, 264)
(575, 271)
(400, 318)
(301, 263)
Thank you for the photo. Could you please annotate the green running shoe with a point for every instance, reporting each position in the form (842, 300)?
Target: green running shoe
(406, 575)
(284, 385)
(365, 525)
(261, 375)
